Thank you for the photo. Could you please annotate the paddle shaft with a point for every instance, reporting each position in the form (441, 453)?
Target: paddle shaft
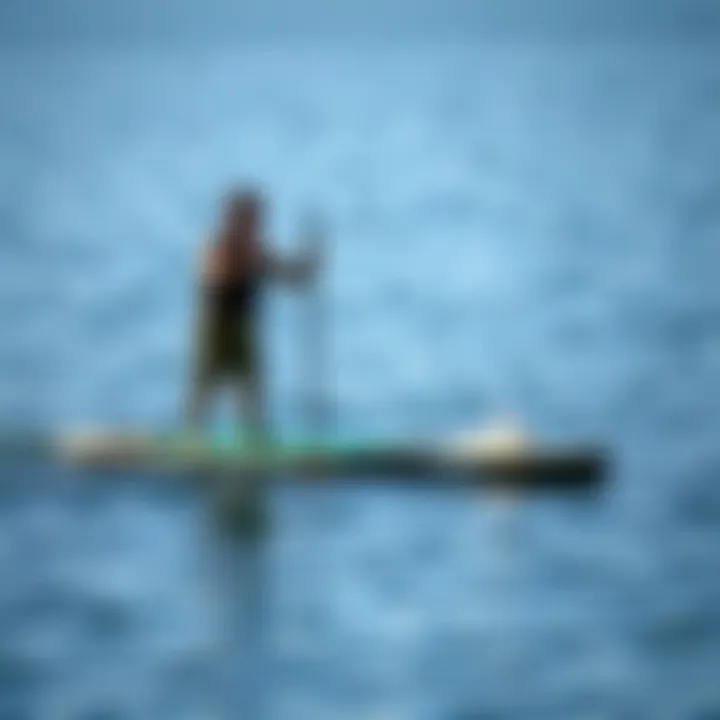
(316, 343)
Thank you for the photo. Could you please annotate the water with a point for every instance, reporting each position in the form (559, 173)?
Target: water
(522, 225)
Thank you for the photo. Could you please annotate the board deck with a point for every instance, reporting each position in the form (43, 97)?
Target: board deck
(569, 466)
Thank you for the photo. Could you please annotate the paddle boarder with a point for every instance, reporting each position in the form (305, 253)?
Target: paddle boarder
(235, 265)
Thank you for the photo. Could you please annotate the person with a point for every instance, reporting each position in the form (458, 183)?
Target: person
(235, 265)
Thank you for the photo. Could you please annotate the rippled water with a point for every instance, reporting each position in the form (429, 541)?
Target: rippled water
(516, 226)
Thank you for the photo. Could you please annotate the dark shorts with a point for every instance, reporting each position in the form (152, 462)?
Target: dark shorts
(227, 349)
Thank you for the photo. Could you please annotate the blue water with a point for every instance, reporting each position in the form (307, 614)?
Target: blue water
(521, 227)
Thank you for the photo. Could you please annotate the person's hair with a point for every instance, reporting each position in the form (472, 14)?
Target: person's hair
(244, 199)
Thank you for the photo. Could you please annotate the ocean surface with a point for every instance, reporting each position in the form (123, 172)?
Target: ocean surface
(523, 228)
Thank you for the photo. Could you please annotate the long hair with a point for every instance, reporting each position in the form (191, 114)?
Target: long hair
(240, 236)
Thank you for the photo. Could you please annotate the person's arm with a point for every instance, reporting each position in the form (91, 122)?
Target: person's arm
(210, 265)
(297, 271)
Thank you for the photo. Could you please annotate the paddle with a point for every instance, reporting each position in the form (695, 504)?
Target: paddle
(315, 340)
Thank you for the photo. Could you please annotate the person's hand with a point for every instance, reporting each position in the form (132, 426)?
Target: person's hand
(314, 249)
(315, 256)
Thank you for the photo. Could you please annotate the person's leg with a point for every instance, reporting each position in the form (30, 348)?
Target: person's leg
(204, 373)
(199, 399)
(250, 407)
(249, 389)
